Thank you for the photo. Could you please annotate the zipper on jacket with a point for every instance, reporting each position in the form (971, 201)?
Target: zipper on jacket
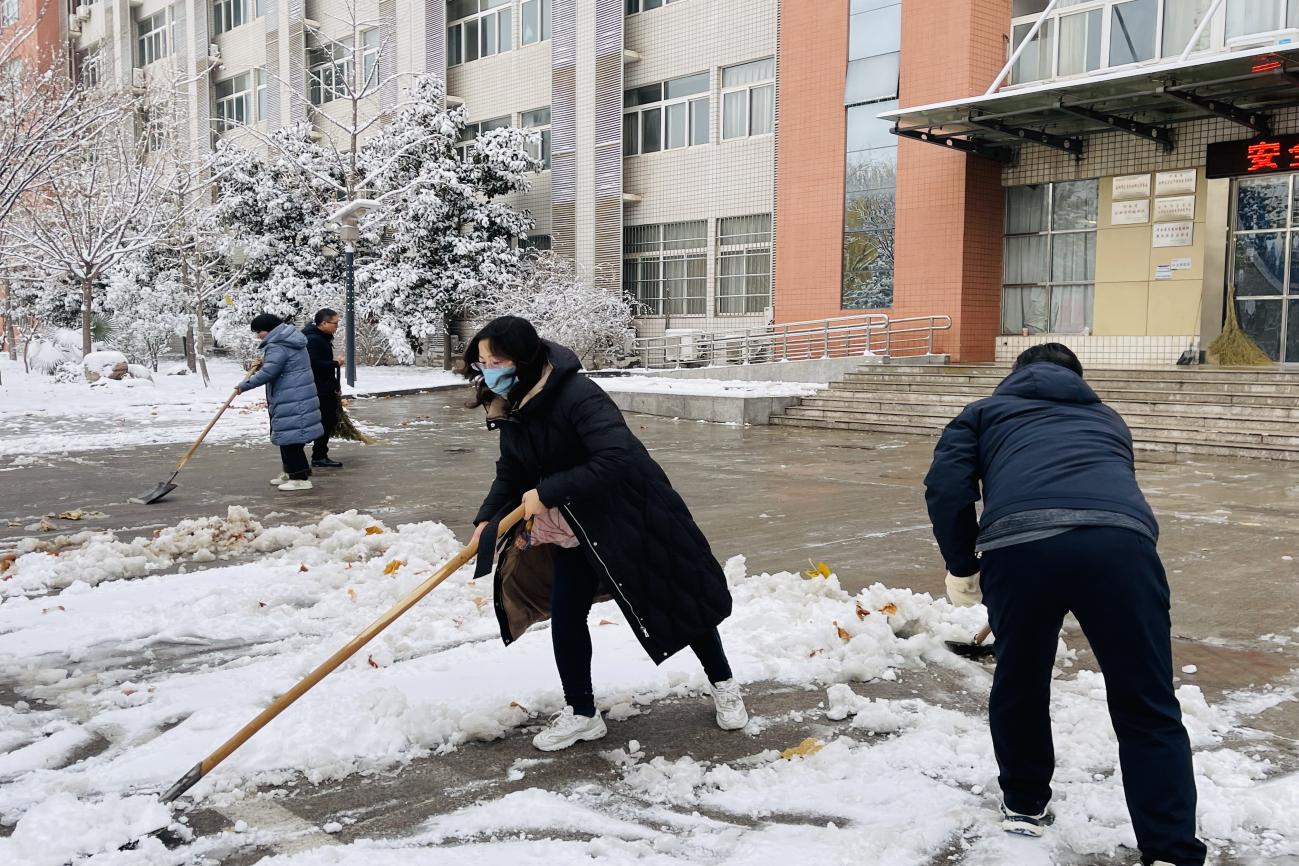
(612, 582)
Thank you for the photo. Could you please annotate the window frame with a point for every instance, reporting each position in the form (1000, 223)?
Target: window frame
(10, 12)
(637, 7)
(543, 144)
(154, 44)
(502, 14)
(748, 89)
(753, 243)
(224, 21)
(1049, 283)
(248, 93)
(329, 78)
(543, 21)
(472, 130)
(659, 254)
(661, 107)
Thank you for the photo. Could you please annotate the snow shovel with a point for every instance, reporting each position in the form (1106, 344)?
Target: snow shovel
(977, 649)
(205, 766)
(165, 487)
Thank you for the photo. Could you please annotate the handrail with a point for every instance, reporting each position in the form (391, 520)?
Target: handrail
(867, 334)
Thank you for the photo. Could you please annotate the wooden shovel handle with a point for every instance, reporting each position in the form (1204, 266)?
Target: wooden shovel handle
(982, 635)
(206, 430)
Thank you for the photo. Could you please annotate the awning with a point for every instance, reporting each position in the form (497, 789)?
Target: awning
(1146, 102)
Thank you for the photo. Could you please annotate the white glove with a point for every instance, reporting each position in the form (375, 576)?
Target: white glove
(964, 591)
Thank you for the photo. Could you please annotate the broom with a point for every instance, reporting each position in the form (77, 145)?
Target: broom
(347, 429)
(1233, 347)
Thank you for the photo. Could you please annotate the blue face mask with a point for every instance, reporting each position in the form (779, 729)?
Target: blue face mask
(500, 379)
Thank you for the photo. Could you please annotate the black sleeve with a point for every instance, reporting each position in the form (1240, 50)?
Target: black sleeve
(606, 438)
(321, 360)
(507, 488)
(951, 491)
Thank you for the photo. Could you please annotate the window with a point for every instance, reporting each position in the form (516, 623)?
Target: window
(240, 100)
(329, 69)
(154, 40)
(666, 116)
(634, 6)
(534, 25)
(536, 243)
(1181, 17)
(481, 28)
(1132, 31)
(1035, 63)
(1050, 258)
(665, 267)
(539, 120)
(90, 67)
(1265, 263)
(874, 45)
(1258, 16)
(229, 14)
(8, 12)
(744, 265)
(870, 185)
(1080, 42)
(472, 130)
(748, 99)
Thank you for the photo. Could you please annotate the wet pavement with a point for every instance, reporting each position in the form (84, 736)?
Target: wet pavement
(780, 496)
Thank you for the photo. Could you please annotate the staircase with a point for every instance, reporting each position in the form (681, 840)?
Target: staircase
(1173, 413)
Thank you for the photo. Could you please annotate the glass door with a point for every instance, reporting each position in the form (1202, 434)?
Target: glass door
(1265, 263)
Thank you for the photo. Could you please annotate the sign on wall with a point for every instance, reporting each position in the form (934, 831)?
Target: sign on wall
(1266, 155)
(1172, 234)
(1130, 186)
(1130, 213)
(1175, 208)
(1177, 182)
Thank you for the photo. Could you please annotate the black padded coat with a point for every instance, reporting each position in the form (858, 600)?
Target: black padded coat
(571, 443)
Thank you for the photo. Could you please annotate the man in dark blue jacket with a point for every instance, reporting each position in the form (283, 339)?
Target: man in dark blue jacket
(1065, 528)
(329, 387)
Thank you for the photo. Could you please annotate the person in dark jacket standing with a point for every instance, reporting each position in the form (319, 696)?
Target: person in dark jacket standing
(290, 396)
(602, 521)
(329, 387)
(1065, 528)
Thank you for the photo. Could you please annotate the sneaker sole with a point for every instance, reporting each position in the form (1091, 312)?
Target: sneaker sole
(573, 741)
(1021, 828)
(725, 727)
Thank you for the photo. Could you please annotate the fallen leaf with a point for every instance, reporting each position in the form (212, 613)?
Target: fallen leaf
(842, 632)
(129, 692)
(805, 749)
(351, 593)
(373, 663)
(518, 705)
(391, 568)
(862, 612)
(889, 609)
(261, 604)
(78, 514)
(479, 601)
(814, 653)
(606, 622)
(49, 609)
(7, 560)
(374, 530)
(818, 569)
(303, 567)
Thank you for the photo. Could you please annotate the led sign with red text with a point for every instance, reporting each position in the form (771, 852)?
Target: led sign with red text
(1265, 155)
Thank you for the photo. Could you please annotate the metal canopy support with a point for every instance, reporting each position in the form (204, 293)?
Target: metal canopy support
(1255, 120)
(1071, 146)
(964, 145)
(1160, 135)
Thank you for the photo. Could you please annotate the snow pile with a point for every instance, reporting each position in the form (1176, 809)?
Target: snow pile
(904, 779)
(705, 387)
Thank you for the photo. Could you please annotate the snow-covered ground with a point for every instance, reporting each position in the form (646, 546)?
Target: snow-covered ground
(904, 782)
(706, 387)
(40, 416)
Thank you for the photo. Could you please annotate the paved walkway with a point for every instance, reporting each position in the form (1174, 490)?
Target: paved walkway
(780, 496)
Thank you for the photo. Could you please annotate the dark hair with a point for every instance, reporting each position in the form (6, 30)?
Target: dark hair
(514, 338)
(325, 315)
(266, 322)
(1051, 353)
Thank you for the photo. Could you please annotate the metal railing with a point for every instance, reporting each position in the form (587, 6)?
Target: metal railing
(841, 337)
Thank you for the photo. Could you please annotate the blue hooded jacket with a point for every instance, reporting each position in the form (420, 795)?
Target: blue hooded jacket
(290, 387)
(1042, 440)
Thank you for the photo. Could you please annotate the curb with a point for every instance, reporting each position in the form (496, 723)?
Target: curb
(403, 392)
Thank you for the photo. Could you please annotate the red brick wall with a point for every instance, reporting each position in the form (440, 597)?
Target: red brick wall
(44, 44)
(810, 160)
(949, 206)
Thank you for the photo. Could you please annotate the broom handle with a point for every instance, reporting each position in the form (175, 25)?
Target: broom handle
(326, 667)
(206, 430)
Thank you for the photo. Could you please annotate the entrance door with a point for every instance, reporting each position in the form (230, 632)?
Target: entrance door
(1265, 262)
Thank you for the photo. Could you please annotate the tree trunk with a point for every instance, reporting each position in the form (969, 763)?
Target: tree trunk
(191, 349)
(199, 352)
(87, 301)
(191, 361)
(446, 344)
(11, 335)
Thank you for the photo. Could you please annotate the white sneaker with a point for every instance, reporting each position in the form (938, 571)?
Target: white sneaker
(279, 479)
(296, 484)
(1158, 863)
(731, 714)
(1019, 824)
(567, 728)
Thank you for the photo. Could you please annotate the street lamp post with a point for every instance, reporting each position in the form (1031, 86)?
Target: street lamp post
(349, 233)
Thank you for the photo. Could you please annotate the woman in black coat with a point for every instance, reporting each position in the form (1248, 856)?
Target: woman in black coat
(603, 522)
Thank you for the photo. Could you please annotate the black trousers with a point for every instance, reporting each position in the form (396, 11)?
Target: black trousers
(329, 407)
(571, 596)
(294, 458)
(1113, 582)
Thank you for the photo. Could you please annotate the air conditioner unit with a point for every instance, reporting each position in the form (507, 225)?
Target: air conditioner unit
(1288, 36)
(680, 345)
(83, 11)
(138, 81)
(214, 52)
(74, 26)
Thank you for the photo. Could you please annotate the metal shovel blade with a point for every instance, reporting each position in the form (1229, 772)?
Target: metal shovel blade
(157, 493)
(974, 651)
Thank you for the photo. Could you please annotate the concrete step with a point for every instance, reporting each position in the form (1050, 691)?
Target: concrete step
(1127, 381)
(1140, 392)
(1172, 447)
(1207, 374)
(1196, 416)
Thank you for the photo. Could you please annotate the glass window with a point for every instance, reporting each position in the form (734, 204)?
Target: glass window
(229, 14)
(665, 267)
(154, 41)
(1262, 202)
(686, 86)
(8, 12)
(539, 121)
(1132, 31)
(1035, 63)
(665, 116)
(1181, 17)
(869, 209)
(1260, 264)
(234, 102)
(651, 131)
(866, 130)
(748, 99)
(1049, 273)
(534, 21)
(1252, 16)
(872, 78)
(1080, 42)
(634, 6)
(484, 28)
(678, 125)
(878, 31)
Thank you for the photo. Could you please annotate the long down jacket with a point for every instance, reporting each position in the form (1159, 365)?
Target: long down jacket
(1042, 440)
(290, 387)
(571, 443)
